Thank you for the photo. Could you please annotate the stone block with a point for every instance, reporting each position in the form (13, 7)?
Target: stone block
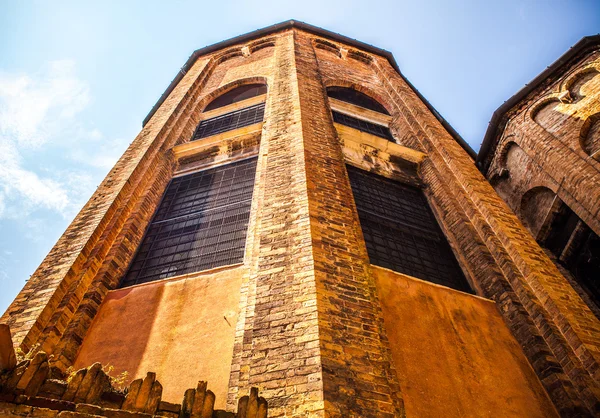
(8, 359)
(54, 404)
(53, 388)
(35, 375)
(73, 385)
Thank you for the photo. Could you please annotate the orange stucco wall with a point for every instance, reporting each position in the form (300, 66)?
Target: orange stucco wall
(454, 355)
(181, 329)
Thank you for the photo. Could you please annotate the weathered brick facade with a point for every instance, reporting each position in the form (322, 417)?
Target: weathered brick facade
(313, 326)
(541, 155)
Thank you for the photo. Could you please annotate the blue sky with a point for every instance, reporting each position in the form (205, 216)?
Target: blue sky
(77, 78)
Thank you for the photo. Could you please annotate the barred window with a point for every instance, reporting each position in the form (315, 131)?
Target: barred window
(357, 98)
(200, 224)
(401, 232)
(238, 94)
(230, 121)
(362, 125)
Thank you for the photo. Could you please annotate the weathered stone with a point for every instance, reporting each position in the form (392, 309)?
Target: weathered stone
(100, 385)
(111, 399)
(44, 413)
(167, 414)
(119, 413)
(311, 331)
(88, 381)
(169, 407)
(209, 405)
(14, 376)
(263, 408)
(73, 385)
(252, 403)
(35, 374)
(154, 398)
(53, 388)
(54, 404)
(88, 409)
(144, 393)
(199, 399)
(188, 403)
(242, 407)
(219, 413)
(74, 414)
(134, 390)
(8, 359)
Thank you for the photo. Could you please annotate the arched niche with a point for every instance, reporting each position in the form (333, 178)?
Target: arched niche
(536, 205)
(579, 85)
(589, 137)
(516, 161)
(549, 117)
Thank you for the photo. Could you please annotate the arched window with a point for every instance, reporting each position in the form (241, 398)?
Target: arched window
(356, 98)
(238, 94)
(357, 119)
(574, 244)
(235, 119)
(536, 205)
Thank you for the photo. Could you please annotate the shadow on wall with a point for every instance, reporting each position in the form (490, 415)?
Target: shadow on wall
(121, 330)
(183, 329)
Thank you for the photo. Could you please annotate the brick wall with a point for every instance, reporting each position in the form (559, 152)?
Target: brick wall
(310, 331)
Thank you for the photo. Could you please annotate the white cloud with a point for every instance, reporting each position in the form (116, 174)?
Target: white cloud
(25, 187)
(33, 108)
(38, 111)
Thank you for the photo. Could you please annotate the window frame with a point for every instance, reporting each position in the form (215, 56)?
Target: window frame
(142, 279)
(401, 231)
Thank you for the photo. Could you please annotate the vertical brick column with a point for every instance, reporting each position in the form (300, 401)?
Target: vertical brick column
(313, 337)
(358, 378)
(279, 350)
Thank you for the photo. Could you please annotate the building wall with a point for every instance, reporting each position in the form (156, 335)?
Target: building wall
(311, 331)
(551, 140)
(183, 330)
(546, 156)
(442, 342)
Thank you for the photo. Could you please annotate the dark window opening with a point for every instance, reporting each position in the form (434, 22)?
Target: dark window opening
(362, 125)
(237, 95)
(577, 248)
(230, 121)
(563, 226)
(401, 232)
(585, 264)
(200, 224)
(356, 98)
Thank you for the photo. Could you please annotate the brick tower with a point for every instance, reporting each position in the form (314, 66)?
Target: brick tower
(294, 216)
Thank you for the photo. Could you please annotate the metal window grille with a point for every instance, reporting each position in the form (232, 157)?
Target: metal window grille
(230, 121)
(362, 125)
(356, 98)
(401, 232)
(237, 95)
(200, 224)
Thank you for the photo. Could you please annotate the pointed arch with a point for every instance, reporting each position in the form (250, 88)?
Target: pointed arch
(370, 100)
(221, 91)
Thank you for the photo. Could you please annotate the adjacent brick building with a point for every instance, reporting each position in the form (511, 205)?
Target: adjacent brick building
(294, 216)
(542, 155)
